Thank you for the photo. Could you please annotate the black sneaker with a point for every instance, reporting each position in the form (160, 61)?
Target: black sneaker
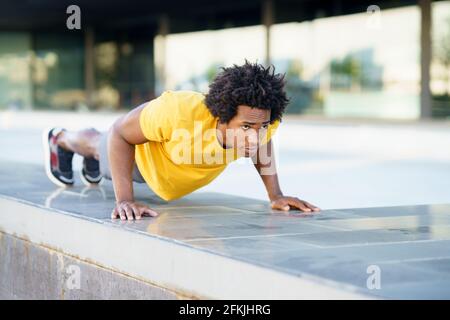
(58, 161)
(90, 173)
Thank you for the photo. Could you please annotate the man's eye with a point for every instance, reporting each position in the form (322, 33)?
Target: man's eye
(245, 127)
(265, 126)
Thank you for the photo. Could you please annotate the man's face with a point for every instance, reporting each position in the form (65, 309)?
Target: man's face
(248, 126)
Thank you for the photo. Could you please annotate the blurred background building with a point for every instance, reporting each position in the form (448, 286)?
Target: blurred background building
(342, 58)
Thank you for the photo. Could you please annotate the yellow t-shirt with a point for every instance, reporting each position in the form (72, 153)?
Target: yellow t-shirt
(183, 153)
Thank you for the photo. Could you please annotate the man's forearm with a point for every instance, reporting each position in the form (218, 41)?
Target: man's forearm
(272, 186)
(265, 165)
(121, 159)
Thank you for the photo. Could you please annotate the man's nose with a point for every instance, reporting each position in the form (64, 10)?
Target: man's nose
(252, 139)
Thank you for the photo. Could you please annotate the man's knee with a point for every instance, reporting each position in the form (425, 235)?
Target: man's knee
(91, 132)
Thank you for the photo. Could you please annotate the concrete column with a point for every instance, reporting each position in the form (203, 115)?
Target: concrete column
(89, 72)
(160, 54)
(267, 20)
(425, 58)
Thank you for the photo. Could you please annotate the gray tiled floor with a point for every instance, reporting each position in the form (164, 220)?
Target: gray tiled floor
(410, 245)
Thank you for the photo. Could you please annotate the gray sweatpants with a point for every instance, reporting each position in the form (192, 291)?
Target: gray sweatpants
(104, 163)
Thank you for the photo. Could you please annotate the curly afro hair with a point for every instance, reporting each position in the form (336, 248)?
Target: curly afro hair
(251, 85)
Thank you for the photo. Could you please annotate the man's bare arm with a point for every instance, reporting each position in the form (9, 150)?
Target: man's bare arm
(123, 136)
(264, 162)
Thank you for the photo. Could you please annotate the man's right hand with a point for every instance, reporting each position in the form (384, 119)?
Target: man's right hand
(130, 210)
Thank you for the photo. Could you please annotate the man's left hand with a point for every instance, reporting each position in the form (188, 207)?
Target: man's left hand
(286, 203)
